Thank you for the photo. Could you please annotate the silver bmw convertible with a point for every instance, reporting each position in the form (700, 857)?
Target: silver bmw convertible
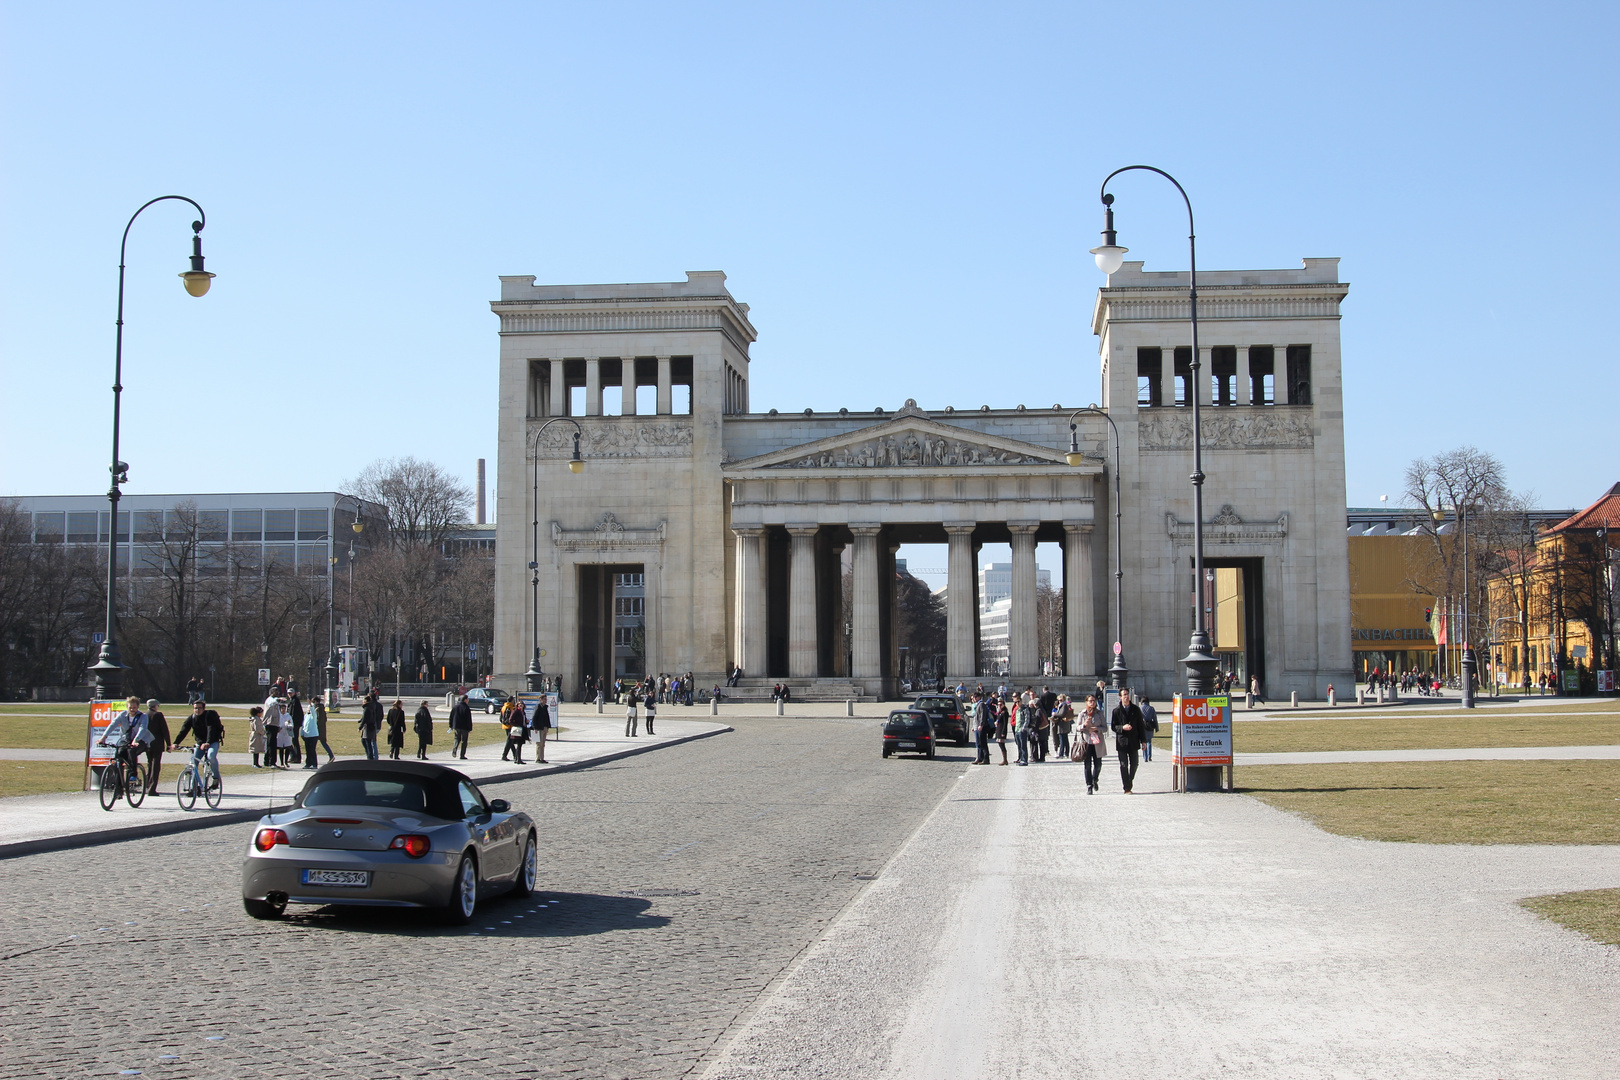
(389, 834)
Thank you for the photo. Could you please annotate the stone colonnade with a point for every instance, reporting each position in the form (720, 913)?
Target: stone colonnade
(593, 386)
(868, 622)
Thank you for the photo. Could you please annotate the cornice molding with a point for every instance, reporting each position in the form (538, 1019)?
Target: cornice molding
(606, 535)
(1226, 527)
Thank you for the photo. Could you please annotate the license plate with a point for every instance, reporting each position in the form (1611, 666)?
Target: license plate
(908, 746)
(343, 879)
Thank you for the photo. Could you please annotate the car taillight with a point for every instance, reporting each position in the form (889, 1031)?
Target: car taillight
(415, 846)
(269, 838)
(956, 716)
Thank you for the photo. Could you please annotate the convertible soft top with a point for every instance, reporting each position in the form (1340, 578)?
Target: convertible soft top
(439, 782)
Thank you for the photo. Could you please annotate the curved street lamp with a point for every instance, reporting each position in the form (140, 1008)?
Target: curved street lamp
(1200, 661)
(536, 674)
(1119, 673)
(331, 595)
(1469, 664)
(109, 668)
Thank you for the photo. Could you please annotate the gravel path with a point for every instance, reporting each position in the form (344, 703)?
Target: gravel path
(1028, 930)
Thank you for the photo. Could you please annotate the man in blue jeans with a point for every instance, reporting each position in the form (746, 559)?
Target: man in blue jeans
(371, 722)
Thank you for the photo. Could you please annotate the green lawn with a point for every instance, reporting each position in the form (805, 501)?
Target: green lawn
(1450, 802)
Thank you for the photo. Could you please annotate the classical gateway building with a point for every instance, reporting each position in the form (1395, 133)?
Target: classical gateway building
(732, 527)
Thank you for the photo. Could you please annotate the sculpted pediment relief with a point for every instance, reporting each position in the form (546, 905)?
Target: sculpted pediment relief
(909, 440)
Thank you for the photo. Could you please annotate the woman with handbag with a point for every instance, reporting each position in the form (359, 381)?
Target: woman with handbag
(516, 735)
(1062, 724)
(1088, 750)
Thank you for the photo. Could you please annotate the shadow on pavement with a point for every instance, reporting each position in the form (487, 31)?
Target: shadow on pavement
(540, 915)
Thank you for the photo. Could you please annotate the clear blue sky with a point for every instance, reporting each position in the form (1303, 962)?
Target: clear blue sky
(904, 194)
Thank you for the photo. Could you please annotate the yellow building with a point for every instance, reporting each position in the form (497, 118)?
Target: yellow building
(1555, 605)
(1391, 624)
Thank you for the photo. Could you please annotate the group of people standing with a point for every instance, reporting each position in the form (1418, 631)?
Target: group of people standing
(521, 726)
(1049, 724)
(373, 719)
(276, 727)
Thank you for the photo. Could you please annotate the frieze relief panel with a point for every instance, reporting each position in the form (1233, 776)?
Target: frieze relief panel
(910, 449)
(1227, 428)
(606, 535)
(1226, 527)
(622, 438)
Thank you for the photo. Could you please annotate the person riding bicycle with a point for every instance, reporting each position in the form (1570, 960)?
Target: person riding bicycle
(205, 724)
(128, 733)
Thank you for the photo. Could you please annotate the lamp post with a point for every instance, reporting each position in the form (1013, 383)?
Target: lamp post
(333, 691)
(109, 668)
(536, 674)
(1200, 662)
(1119, 672)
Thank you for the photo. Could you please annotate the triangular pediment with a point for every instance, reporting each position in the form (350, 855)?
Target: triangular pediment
(907, 441)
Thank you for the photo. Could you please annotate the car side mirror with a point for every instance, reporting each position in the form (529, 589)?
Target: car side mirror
(499, 806)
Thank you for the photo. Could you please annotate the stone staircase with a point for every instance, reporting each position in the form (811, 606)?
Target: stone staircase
(752, 689)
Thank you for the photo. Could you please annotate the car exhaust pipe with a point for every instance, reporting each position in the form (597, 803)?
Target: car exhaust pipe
(275, 899)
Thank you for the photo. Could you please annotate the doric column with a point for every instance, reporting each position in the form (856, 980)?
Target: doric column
(627, 385)
(1243, 381)
(753, 634)
(1079, 611)
(865, 621)
(1167, 375)
(960, 631)
(559, 388)
(1279, 374)
(1024, 645)
(666, 397)
(593, 386)
(803, 650)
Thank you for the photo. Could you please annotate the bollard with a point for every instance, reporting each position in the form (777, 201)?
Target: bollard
(1333, 698)
(1380, 695)
(714, 706)
(849, 707)
(1293, 699)
(1361, 696)
(599, 703)
(779, 711)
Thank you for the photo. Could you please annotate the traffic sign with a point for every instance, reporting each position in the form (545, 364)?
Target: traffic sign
(1118, 648)
(98, 638)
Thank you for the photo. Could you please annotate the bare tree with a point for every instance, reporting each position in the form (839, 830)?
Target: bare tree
(423, 502)
(1049, 625)
(1469, 482)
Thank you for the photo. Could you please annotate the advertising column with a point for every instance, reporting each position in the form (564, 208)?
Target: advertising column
(1201, 744)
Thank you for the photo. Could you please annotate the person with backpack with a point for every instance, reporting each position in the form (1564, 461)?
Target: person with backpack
(1150, 728)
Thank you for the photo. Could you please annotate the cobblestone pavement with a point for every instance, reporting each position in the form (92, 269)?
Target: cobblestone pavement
(675, 887)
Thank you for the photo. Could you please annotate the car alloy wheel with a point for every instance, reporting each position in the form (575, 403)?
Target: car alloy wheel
(464, 893)
(528, 869)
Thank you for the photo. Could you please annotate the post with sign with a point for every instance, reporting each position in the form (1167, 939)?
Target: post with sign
(1201, 744)
(97, 758)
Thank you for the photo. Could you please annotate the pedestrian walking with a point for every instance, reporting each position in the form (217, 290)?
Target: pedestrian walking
(158, 725)
(422, 723)
(1127, 727)
(511, 713)
(652, 714)
(194, 688)
(310, 732)
(461, 723)
(1002, 720)
(1150, 727)
(1255, 697)
(318, 709)
(1043, 724)
(516, 735)
(630, 700)
(371, 722)
(1088, 750)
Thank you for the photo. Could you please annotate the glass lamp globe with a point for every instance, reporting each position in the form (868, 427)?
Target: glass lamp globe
(197, 281)
(1110, 257)
(576, 466)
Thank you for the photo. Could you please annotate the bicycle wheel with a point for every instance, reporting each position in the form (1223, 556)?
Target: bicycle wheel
(213, 791)
(135, 784)
(112, 781)
(185, 788)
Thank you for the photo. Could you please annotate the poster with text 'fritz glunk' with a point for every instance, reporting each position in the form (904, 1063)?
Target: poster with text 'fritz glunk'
(1203, 731)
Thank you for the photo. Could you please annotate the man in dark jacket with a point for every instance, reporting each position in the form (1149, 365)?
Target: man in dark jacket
(371, 722)
(158, 725)
(1126, 724)
(205, 726)
(983, 725)
(461, 723)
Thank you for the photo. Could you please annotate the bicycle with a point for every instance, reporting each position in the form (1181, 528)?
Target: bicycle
(187, 787)
(123, 777)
